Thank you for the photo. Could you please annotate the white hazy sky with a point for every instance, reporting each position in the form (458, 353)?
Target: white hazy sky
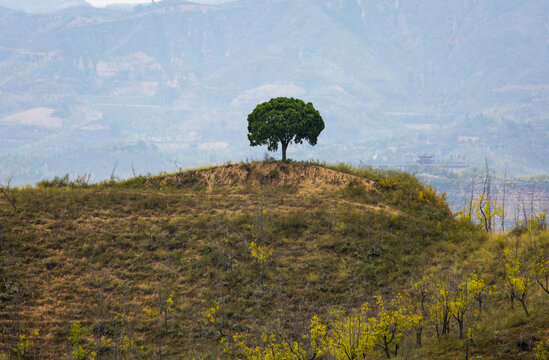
(109, 2)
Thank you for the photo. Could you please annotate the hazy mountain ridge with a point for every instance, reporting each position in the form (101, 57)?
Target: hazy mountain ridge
(182, 77)
(42, 6)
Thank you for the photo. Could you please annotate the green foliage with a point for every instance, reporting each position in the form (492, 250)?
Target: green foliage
(540, 272)
(518, 276)
(388, 326)
(65, 181)
(349, 336)
(25, 345)
(382, 328)
(542, 350)
(487, 210)
(81, 347)
(260, 253)
(344, 336)
(285, 121)
(536, 222)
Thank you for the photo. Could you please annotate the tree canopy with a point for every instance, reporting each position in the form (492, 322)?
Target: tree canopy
(284, 120)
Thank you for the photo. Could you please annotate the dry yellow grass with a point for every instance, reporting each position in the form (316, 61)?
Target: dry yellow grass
(335, 240)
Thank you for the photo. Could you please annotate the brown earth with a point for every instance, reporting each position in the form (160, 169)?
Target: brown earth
(307, 178)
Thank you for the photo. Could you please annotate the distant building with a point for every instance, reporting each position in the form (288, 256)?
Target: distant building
(425, 159)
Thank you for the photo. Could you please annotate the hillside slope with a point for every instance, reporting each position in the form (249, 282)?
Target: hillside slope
(140, 264)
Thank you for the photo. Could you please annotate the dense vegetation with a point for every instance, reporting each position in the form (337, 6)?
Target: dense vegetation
(263, 261)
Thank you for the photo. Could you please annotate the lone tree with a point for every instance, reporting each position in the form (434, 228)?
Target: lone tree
(284, 120)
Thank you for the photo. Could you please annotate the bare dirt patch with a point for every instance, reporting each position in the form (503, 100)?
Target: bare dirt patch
(307, 178)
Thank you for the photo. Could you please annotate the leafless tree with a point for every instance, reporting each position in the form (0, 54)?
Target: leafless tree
(4, 189)
(503, 199)
(471, 197)
(485, 205)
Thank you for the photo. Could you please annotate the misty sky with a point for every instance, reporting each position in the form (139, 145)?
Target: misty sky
(109, 2)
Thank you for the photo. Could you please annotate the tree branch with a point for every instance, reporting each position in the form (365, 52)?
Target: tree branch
(7, 197)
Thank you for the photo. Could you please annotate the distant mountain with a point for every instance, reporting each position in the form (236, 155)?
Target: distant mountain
(41, 6)
(391, 79)
(49, 6)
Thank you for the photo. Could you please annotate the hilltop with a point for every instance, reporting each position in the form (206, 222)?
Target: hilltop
(169, 265)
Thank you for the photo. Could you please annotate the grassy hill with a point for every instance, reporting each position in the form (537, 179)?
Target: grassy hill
(173, 266)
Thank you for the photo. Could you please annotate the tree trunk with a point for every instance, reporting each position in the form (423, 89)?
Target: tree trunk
(445, 323)
(386, 349)
(523, 303)
(545, 288)
(418, 336)
(284, 147)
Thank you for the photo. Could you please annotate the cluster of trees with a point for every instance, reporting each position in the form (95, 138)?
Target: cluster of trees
(377, 328)
(444, 303)
(491, 206)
